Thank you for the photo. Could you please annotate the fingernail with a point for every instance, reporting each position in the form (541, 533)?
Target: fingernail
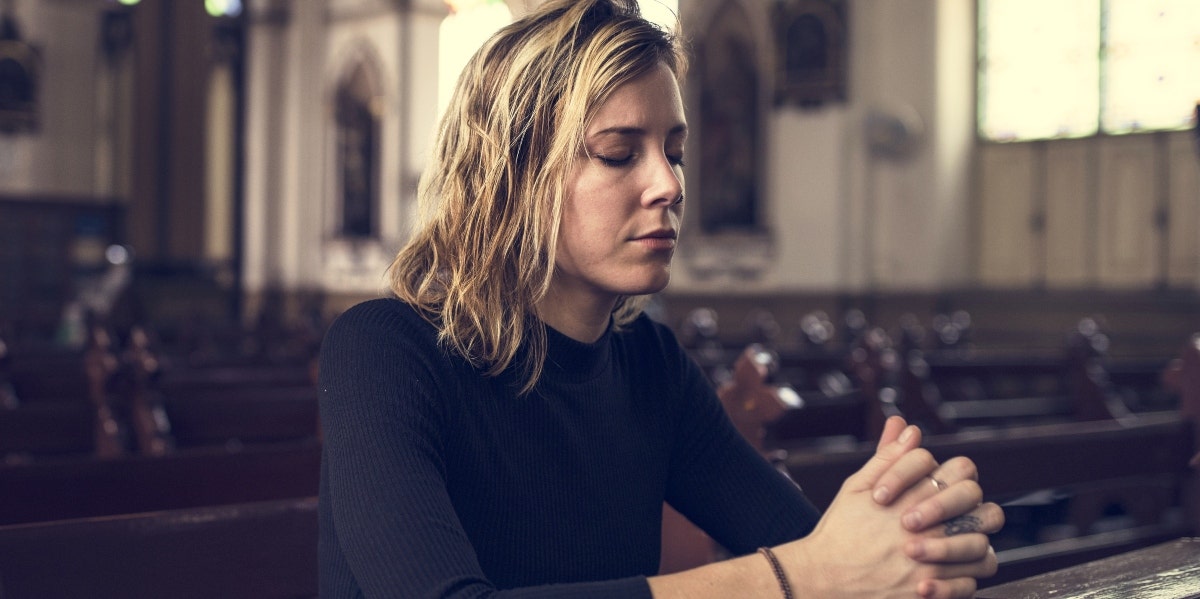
(907, 434)
(912, 520)
(916, 550)
(881, 495)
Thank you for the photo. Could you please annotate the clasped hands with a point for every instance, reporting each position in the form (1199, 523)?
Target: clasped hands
(903, 525)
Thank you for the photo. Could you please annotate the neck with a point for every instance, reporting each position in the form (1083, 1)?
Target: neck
(583, 318)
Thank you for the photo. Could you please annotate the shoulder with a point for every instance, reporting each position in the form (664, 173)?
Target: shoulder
(381, 317)
(383, 348)
(380, 329)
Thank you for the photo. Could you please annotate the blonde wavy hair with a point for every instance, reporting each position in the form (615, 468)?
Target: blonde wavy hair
(491, 196)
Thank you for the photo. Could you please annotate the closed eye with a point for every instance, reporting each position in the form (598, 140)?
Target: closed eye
(614, 162)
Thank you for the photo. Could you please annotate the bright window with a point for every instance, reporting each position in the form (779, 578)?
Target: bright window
(662, 12)
(472, 22)
(1071, 68)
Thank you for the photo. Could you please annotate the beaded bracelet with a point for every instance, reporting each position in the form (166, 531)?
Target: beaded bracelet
(778, 569)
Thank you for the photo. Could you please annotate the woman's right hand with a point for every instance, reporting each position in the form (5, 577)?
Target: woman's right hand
(861, 548)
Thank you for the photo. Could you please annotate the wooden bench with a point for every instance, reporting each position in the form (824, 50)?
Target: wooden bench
(59, 402)
(47, 429)
(108, 401)
(244, 404)
(78, 488)
(260, 550)
(1166, 571)
(241, 416)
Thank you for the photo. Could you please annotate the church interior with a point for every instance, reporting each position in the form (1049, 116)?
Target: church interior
(954, 210)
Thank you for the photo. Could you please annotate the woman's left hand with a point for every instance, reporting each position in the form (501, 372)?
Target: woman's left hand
(944, 503)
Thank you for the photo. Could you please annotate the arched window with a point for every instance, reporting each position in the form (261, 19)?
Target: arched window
(358, 136)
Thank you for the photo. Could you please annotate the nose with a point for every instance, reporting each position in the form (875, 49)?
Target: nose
(666, 183)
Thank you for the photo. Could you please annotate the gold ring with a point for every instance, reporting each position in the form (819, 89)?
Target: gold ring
(938, 483)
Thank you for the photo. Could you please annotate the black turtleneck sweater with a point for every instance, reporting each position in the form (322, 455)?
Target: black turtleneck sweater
(439, 481)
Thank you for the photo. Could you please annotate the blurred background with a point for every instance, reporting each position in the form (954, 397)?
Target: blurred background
(214, 165)
(982, 214)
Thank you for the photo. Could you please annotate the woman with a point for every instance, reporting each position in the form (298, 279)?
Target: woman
(510, 424)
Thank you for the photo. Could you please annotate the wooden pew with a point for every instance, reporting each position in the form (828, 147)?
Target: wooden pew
(260, 550)
(1166, 571)
(177, 404)
(239, 405)
(1137, 464)
(240, 416)
(973, 389)
(79, 488)
(47, 429)
(61, 402)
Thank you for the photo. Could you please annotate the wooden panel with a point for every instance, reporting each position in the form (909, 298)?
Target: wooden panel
(1183, 195)
(1128, 241)
(1006, 239)
(1069, 190)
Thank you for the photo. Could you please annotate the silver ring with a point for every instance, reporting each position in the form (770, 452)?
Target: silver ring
(938, 483)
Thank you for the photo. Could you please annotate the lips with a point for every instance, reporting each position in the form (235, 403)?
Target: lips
(658, 240)
(658, 234)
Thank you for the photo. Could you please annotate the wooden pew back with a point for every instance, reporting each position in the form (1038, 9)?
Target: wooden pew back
(259, 550)
(81, 488)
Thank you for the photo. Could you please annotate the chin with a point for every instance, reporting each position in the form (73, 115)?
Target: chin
(650, 285)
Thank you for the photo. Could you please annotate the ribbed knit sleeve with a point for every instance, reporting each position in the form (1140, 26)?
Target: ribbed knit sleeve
(717, 479)
(389, 525)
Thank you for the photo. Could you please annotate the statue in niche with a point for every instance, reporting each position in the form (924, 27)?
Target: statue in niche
(358, 156)
(19, 79)
(729, 125)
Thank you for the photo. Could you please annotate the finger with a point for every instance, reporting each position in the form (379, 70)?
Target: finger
(952, 502)
(957, 468)
(748, 369)
(981, 568)
(955, 588)
(908, 471)
(891, 431)
(885, 455)
(957, 549)
(992, 517)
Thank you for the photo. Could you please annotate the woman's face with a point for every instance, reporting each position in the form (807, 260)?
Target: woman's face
(623, 209)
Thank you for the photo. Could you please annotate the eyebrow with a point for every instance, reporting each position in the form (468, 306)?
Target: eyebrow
(622, 130)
